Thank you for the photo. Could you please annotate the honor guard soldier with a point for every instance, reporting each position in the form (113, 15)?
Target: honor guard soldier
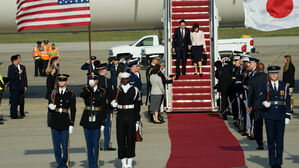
(112, 68)
(38, 65)
(62, 118)
(128, 117)
(276, 98)
(93, 118)
(135, 77)
(105, 83)
(86, 66)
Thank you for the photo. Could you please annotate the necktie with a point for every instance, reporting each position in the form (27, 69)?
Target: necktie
(275, 88)
(182, 34)
(61, 92)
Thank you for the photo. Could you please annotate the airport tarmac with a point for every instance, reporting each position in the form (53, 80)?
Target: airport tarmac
(27, 142)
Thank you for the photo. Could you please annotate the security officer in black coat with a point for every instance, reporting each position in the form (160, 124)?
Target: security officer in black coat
(93, 118)
(106, 84)
(62, 118)
(259, 80)
(276, 98)
(128, 116)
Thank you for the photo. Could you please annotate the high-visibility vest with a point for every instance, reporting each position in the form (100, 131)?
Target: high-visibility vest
(46, 53)
(54, 53)
(36, 53)
(1, 80)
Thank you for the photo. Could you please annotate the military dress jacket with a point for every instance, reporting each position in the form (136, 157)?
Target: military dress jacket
(95, 104)
(64, 114)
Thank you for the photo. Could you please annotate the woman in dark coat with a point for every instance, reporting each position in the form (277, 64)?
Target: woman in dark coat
(289, 76)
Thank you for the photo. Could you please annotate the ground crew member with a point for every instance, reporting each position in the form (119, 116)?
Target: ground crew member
(93, 118)
(38, 65)
(275, 96)
(62, 118)
(45, 56)
(53, 53)
(106, 83)
(128, 106)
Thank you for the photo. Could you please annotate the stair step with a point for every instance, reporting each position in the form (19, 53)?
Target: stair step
(190, 23)
(190, 16)
(193, 89)
(189, 62)
(191, 109)
(195, 82)
(191, 3)
(190, 9)
(204, 96)
(191, 71)
(192, 104)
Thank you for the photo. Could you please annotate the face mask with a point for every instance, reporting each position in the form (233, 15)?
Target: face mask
(91, 83)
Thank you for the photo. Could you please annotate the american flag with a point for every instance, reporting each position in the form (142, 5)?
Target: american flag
(39, 14)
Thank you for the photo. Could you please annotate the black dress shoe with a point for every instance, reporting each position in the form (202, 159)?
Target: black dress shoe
(155, 122)
(260, 148)
(110, 149)
(244, 134)
(184, 73)
(15, 117)
(251, 138)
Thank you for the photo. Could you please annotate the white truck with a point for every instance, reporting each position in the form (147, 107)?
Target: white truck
(136, 48)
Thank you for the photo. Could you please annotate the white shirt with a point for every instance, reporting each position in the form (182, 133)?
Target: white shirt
(95, 88)
(183, 32)
(63, 90)
(126, 87)
(137, 74)
(198, 39)
(19, 66)
(275, 84)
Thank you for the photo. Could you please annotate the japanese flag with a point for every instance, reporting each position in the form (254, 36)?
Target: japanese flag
(268, 15)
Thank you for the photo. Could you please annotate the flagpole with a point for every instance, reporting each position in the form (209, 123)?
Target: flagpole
(90, 68)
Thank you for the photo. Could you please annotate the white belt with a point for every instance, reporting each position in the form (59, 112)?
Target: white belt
(124, 107)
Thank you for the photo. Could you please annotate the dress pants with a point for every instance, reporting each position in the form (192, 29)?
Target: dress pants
(224, 104)
(21, 103)
(93, 137)
(258, 131)
(275, 134)
(14, 99)
(60, 139)
(107, 131)
(126, 136)
(45, 65)
(38, 67)
(181, 54)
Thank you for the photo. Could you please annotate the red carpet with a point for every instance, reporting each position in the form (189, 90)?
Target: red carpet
(202, 140)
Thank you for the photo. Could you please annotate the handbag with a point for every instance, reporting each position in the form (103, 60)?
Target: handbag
(138, 136)
(204, 58)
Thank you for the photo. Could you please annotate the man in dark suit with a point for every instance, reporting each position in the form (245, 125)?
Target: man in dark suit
(16, 84)
(180, 42)
(255, 107)
(24, 86)
(275, 96)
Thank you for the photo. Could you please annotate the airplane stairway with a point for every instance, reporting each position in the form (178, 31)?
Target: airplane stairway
(192, 93)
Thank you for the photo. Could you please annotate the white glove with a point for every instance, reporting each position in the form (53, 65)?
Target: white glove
(71, 128)
(102, 128)
(114, 104)
(266, 104)
(287, 120)
(137, 125)
(241, 96)
(52, 106)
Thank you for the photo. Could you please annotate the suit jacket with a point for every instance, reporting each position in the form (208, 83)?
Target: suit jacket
(254, 90)
(179, 41)
(17, 81)
(276, 112)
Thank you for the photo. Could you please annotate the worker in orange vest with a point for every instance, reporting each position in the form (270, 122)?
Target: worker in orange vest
(53, 53)
(37, 58)
(45, 55)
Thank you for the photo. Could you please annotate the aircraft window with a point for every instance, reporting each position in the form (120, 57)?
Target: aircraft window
(147, 42)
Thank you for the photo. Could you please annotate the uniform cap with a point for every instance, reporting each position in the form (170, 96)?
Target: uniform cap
(135, 62)
(93, 57)
(62, 77)
(128, 57)
(251, 59)
(273, 69)
(102, 66)
(93, 76)
(245, 59)
(38, 42)
(124, 75)
(154, 57)
(236, 58)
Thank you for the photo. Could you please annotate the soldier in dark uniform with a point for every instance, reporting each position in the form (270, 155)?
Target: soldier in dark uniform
(62, 118)
(106, 84)
(93, 118)
(155, 61)
(51, 72)
(135, 77)
(128, 106)
(259, 80)
(276, 98)
(126, 66)
(233, 91)
(94, 63)
(112, 68)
